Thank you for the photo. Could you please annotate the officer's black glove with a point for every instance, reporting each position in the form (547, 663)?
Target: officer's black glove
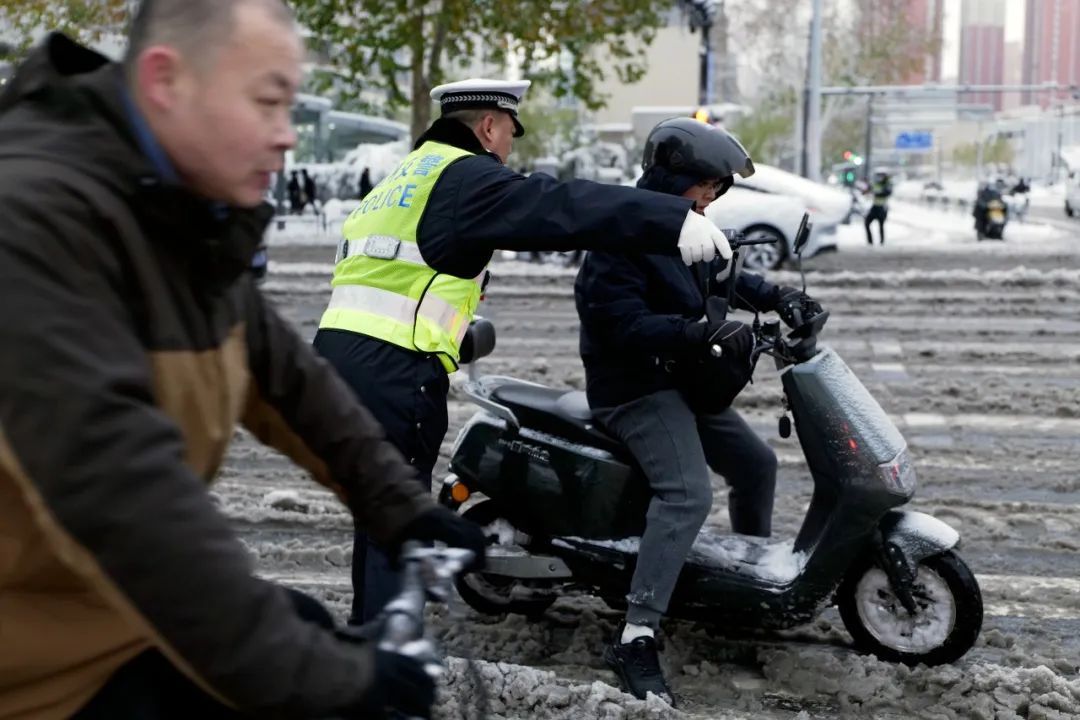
(447, 526)
(796, 307)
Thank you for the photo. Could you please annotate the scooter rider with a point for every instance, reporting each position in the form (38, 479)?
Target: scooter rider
(413, 265)
(641, 339)
(989, 191)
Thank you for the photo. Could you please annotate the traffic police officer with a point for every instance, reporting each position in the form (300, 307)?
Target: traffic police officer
(881, 189)
(412, 267)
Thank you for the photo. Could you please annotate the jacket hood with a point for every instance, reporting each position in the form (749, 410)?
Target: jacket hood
(659, 179)
(65, 103)
(66, 106)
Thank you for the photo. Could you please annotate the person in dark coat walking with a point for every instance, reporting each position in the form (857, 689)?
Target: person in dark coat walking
(311, 192)
(365, 183)
(296, 194)
(413, 265)
(643, 339)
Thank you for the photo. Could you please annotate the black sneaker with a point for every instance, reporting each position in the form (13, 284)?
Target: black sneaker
(638, 666)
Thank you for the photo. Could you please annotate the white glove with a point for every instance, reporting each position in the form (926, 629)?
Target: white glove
(700, 240)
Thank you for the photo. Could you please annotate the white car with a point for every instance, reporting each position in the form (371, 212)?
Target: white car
(1072, 194)
(765, 215)
(826, 204)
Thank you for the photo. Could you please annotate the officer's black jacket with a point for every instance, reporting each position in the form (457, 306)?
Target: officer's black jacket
(634, 310)
(479, 206)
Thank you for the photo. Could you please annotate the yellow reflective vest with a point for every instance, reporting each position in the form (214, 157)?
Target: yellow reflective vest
(382, 287)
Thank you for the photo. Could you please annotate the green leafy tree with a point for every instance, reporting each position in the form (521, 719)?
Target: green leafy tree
(22, 21)
(767, 132)
(395, 51)
(552, 131)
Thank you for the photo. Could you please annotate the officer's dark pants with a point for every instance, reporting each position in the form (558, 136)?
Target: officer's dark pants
(675, 450)
(149, 687)
(406, 392)
(879, 213)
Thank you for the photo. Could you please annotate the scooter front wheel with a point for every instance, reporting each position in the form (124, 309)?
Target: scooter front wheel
(946, 623)
(497, 594)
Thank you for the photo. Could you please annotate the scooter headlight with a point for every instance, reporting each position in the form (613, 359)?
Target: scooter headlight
(899, 474)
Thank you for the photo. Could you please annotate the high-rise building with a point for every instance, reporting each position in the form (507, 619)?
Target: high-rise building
(1051, 47)
(982, 49)
(1014, 63)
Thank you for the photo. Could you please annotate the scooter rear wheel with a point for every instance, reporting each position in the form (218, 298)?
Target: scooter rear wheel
(947, 622)
(497, 594)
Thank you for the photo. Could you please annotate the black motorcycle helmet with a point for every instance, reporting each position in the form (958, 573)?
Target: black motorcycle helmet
(685, 146)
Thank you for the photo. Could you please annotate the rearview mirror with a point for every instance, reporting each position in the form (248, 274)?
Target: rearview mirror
(479, 341)
(802, 235)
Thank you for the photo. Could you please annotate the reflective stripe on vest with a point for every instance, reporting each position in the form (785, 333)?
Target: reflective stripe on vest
(382, 286)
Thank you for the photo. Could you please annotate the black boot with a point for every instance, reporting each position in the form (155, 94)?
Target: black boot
(638, 666)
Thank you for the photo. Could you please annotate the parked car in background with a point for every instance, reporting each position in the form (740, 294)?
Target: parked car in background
(1072, 194)
(766, 215)
(768, 200)
(827, 205)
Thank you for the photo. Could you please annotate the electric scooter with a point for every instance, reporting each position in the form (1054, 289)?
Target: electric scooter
(564, 504)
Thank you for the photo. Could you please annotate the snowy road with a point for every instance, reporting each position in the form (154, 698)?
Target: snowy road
(974, 349)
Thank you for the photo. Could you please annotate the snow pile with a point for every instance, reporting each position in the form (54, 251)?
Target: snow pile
(868, 686)
(342, 179)
(516, 691)
(285, 500)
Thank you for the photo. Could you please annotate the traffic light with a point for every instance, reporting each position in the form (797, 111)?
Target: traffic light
(847, 155)
(847, 174)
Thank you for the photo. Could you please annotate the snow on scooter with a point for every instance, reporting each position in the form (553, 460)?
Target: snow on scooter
(564, 505)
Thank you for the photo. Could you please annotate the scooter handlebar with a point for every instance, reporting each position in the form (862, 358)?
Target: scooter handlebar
(427, 573)
(737, 239)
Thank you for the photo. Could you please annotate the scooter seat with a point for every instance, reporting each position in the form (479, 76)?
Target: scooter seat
(562, 413)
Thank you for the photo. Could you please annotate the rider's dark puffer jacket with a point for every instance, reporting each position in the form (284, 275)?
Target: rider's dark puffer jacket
(634, 310)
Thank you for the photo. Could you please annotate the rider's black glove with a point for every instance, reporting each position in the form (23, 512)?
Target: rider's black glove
(447, 526)
(796, 307)
(733, 338)
(400, 684)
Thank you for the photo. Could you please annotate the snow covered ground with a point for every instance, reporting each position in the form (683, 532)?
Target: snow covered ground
(972, 348)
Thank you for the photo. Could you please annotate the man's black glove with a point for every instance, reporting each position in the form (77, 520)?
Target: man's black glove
(733, 339)
(796, 307)
(445, 525)
(401, 685)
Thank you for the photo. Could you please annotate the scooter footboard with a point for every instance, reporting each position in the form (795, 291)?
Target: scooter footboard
(915, 536)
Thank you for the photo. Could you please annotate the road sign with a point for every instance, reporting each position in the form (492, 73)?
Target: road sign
(915, 140)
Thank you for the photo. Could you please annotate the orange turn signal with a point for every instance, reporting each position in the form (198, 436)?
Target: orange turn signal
(459, 492)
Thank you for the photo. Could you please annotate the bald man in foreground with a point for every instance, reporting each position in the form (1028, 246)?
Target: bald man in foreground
(133, 341)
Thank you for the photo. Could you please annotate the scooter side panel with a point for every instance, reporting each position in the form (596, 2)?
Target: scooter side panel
(845, 436)
(842, 419)
(547, 486)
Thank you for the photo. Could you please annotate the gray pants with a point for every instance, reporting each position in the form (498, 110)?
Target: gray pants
(675, 450)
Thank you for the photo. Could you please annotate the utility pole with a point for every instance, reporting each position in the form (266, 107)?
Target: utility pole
(868, 159)
(701, 18)
(706, 61)
(812, 170)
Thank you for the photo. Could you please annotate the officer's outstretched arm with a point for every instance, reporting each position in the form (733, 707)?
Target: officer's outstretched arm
(497, 209)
